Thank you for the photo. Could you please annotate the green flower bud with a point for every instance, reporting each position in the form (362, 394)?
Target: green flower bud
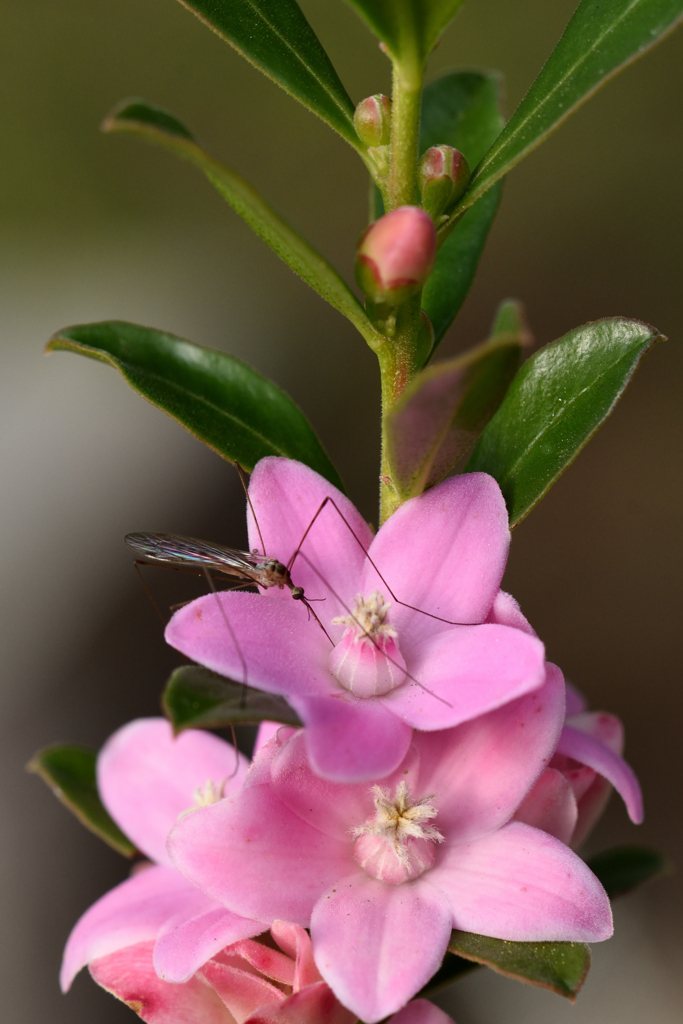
(372, 120)
(443, 176)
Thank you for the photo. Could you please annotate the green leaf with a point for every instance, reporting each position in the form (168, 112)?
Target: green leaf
(197, 698)
(559, 966)
(555, 404)
(275, 37)
(156, 125)
(599, 41)
(445, 407)
(409, 28)
(461, 109)
(626, 867)
(219, 399)
(70, 774)
(452, 968)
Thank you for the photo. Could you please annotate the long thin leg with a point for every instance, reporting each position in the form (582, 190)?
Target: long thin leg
(371, 638)
(221, 609)
(245, 486)
(331, 501)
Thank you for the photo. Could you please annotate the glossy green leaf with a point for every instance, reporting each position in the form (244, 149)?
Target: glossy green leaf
(219, 399)
(70, 774)
(441, 413)
(156, 125)
(197, 698)
(461, 109)
(274, 36)
(555, 404)
(599, 41)
(409, 28)
(626, 867)
(559, 966)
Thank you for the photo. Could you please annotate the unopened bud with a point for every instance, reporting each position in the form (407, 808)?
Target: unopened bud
(396, 255)
(372, 120)
(444, 175)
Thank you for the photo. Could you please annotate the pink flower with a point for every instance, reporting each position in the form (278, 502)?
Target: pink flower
(382, 873)
(246, 983)
(146, 778)
(572, 792)
(383, 668)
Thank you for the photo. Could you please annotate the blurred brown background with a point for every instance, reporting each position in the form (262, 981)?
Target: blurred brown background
(94, 228)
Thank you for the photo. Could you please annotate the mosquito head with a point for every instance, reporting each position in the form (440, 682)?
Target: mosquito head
(298, 593)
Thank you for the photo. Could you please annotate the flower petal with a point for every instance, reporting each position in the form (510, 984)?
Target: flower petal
(420, 1011)
(468, 670)
(253, 855)
(352, 740)
(576, 702)
(130, 976)
(296, 942)
(550, 806)
(586, 749)
(189, 939)
(376, 945)
(242, 992)
(312, 1005)
(443, 552)
(608, 729)
(286, 496)
(480, 771)
(505, 611)
(133, 912)
(271, 645)
(147, 776)
(523, 885)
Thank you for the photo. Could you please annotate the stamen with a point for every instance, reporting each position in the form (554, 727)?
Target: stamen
(396, 845)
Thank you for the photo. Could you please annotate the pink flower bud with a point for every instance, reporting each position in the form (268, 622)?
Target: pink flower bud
(372, 120)
(444, 175)
(396, 255)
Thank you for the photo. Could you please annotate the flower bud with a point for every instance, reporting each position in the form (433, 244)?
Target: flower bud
(443, 175)
(396, 255)
(372, 120)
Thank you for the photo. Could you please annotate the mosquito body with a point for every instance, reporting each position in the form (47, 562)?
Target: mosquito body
(186, 553)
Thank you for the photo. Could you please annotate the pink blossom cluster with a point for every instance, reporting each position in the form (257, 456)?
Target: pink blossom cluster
(442, 779)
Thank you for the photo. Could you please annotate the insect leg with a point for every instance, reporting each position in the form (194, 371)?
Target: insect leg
(226, 620)
(371, 638)
(332, 502)
(245, 486)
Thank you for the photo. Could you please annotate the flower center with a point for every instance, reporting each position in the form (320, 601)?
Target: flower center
(397, 844)
(367, 660)
(209, 793)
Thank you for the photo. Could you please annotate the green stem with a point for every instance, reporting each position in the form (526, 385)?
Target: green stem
(400, 358)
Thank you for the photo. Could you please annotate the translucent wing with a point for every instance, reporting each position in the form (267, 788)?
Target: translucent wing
(187, 553)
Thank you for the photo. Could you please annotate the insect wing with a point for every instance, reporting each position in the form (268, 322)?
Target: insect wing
(187, 552)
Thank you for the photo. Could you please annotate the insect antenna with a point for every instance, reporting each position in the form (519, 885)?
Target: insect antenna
(370, 638)
(330, 501)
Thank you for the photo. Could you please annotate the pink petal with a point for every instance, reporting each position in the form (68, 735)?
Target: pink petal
(468, 670)
(133, 912)
(550, 806)
(267, 961)
(443, 553)
(420, 1011)
(608, 729)
(147, 777)
(352, 740)
(129, 975)
(286, 496)
(480, 772)
(506, 612)
(256, 857)
(523, 885)
(325, 805)
(278, 649)
(316, 1004)
(189, 939)
(242, 992)
(264, 734)
(376, 945)
(576, 702)
(591, 806)
(589, 751)
(296, 942)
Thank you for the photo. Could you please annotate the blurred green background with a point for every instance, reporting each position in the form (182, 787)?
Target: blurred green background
(94, 227)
